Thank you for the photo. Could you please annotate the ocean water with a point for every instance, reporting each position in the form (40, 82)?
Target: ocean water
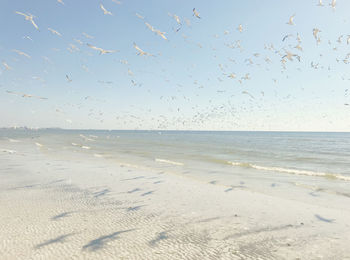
(268, 162)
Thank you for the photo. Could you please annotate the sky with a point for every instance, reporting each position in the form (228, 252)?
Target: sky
(195, 79)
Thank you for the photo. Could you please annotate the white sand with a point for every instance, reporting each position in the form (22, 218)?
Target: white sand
(56, 205)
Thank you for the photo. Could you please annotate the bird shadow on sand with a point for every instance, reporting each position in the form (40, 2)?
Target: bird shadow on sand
(101, 242)
(261, 230)
(135, 208)
(36, 185)
(101, 193)
(59, 239)
(160, 236)
(135, 178)
(235, 187)
(147, 193)
(62, 215)
(324, 219)
(133, 190)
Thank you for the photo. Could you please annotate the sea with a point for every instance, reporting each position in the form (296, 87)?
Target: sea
(287, 164)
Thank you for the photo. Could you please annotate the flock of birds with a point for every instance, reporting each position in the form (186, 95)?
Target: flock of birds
(284, 55)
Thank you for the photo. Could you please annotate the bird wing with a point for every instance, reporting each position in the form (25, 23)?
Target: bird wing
(103, 8)
(137, 48)
(291, 19)
(14, 93)
(21, 14)
(110, 51)
(54, 32)
(149, 27)
(94, 47)
(34, 24)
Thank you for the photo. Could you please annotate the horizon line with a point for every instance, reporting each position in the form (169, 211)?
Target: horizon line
(165, 130)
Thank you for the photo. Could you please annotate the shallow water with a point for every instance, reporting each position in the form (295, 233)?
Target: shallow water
(268, 162)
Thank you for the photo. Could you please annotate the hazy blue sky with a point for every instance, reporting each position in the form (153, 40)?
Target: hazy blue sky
(186, 84)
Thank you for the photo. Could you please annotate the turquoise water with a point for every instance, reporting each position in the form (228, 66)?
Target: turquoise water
(256, 160)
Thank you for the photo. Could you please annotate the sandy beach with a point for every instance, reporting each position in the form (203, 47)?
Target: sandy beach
(64, 205)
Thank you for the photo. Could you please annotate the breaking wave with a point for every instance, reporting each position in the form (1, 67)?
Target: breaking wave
(168, 161)
(290, 171)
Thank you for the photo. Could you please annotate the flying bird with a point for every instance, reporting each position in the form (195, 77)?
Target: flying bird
(68, 79)
(290, 56)
(320, 3)
(247, 93)
(140, 16)
(315, 31)
(54, 32)
(286, 37)
(29, 17)
(177, 19)
(195, 13)
(25, 95)
(298, 47)
(141, 52)
(22, 53)
(246, 77)
(333, 4)
(7, 67)
(291, 22)
(161, 34)
(240, 28)
(87, 36)
(105, 10)
(102, 51)
(27, 37)
(298, 38)
(60, 1)
(232, 75)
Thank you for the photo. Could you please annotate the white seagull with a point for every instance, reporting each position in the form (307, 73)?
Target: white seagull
(87, 36)
(102, 51)
(141, 52)
(24, 95)
(315, 31)
(333, 3)
(7, 67)
(140, 16)
(104, 10)
(195, 13)
(21, 53)
(68, 79)
(290, 56)
(291, 22)
(54, 32)
(29, 17)
(27, 37)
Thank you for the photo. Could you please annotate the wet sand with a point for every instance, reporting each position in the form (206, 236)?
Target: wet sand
(61, 205)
